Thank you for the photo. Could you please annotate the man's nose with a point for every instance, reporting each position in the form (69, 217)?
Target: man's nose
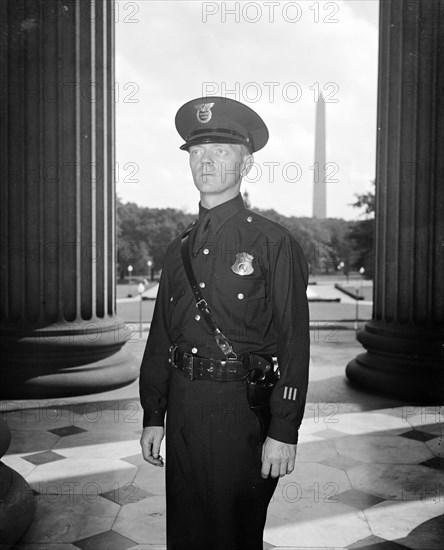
(206, 157)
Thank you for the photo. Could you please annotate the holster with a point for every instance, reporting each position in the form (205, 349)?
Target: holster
(261, 378)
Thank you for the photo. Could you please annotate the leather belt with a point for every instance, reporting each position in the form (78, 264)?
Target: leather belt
(205, 368)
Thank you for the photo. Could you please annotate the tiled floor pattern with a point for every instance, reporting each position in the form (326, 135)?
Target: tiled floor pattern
(365, 479)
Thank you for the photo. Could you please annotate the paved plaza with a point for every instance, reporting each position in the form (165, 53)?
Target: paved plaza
(369, 471)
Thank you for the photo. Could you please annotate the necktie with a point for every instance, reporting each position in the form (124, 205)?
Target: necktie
(201, 232)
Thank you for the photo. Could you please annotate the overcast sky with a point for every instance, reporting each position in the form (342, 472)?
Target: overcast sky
(273, 56)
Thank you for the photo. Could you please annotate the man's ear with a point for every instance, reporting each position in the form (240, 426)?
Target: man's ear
(247, 163)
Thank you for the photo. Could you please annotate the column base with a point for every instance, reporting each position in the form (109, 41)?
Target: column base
(401, 362)
(62, 361)
(17, 506)
(17, 501)
(29, 382)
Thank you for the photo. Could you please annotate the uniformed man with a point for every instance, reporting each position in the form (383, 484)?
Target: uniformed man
(220, 473)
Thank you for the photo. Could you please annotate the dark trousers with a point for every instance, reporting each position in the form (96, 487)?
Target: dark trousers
(216, 497)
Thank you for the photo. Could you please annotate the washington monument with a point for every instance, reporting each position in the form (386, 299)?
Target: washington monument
(319, 187)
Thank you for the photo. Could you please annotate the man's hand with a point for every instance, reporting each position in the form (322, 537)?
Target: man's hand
(277, 458)
(150, 442)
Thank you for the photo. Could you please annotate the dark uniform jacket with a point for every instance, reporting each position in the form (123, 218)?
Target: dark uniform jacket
(264, 310)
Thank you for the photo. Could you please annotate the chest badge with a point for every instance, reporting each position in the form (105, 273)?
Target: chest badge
(243, 264)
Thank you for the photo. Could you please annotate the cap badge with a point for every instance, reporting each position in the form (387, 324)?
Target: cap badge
(204, 113)
(243, 264)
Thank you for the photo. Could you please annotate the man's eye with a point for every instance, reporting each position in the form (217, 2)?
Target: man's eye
(195, 152)
(220, 151)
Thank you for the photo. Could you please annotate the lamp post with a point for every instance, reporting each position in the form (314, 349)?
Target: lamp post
(341, 267)
(362, 271)
(358, 294)
(130, 270)
(356, 309)
(140, 290)
(149, 263)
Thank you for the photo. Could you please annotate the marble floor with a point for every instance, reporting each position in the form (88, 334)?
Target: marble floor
(369, 471)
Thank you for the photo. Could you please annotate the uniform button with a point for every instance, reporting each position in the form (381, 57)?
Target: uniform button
(202, 285)
(172, 298)
(197, 317)
(193, 350)
(205, 251)
(240, 296)
(249, 219)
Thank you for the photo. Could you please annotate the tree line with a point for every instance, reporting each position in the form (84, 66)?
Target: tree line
(143, 235)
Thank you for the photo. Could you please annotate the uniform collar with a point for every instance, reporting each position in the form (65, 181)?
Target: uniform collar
(221, 213)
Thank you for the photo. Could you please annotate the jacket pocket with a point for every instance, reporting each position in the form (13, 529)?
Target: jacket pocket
(243, 299)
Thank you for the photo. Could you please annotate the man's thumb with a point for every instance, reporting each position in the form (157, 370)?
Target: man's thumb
(156, 448)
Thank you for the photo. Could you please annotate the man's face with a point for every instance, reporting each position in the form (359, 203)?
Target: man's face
(216, 167)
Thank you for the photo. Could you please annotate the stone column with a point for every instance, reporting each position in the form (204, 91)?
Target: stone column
(17, 501)
(58, 326)
(405, 338)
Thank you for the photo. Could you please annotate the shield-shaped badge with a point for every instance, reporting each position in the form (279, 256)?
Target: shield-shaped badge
(243, 264)
(203, 112)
